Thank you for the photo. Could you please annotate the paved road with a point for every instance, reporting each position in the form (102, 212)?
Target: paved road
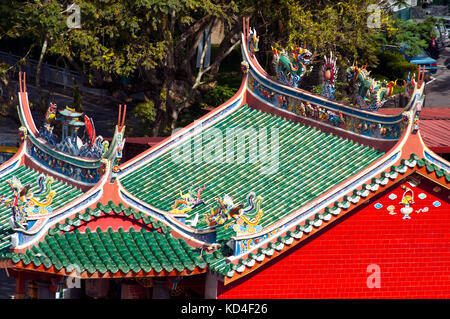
(438, 89)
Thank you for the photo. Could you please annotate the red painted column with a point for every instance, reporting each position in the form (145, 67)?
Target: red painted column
(19, 293)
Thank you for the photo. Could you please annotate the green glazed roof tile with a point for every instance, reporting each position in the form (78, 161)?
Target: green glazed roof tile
(64, 194)
(114, 251)
(421, 162)
(301, 176)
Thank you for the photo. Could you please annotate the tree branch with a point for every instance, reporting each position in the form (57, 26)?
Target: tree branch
(193, 30)
(216, 62)
(39, 65)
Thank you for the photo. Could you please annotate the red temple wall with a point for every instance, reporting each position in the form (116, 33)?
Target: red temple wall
(413, 255)
(115, 222)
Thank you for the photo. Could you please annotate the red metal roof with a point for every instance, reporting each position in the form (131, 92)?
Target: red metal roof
(436, 134)
(150, 141)
(145, 140)
(136, 145)
(426, 114)
(434, 127)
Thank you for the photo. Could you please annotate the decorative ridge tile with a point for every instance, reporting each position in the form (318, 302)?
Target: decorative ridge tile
(283, 241)
(115, 251)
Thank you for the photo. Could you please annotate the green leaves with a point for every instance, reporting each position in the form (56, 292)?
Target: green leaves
(415, 35)
(324, 26)
(145, 112)
(393, 66)
(217, 96)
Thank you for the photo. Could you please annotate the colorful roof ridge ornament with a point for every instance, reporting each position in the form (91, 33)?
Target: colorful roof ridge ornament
(68, 112)
(329, 72)
(120, 140)
(23, 133)
(244, 66)
(76, 123)
(70, 143)
(50, 114)
(371, 94)
(409, 84)
(290, 67)
(250, 36)
(253, 42)
(416, 110)
(242, 220)
(188, 201)
(244, 224)
(25, 203)
(90, 129)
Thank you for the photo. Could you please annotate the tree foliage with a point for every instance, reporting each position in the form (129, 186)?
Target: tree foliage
(324, 26)
(152, 42)
(150, 46)
(414, 36)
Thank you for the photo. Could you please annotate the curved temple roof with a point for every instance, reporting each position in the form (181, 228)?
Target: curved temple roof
(99, 253)
(308, 163)
(65, 193)
(286, 171)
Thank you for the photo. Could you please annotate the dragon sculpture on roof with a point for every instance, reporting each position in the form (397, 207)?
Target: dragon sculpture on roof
(188, 201)
(25, 203)
(253, 41)
(371, 93)
(234, 215)
(291, 66)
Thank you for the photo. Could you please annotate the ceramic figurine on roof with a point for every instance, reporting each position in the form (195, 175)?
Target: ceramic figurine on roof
(51, 112)
(26, 203)
(244, 66)
(409, 84)
(22, 133)
(117, 155)
(234, 215)
(416, 124)
(188, 201)
(62, 150)
(291, 67)
(329, 72)
(46, 132)
(253, 41)
(247, 219)
(371, 94)
(70, 143)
